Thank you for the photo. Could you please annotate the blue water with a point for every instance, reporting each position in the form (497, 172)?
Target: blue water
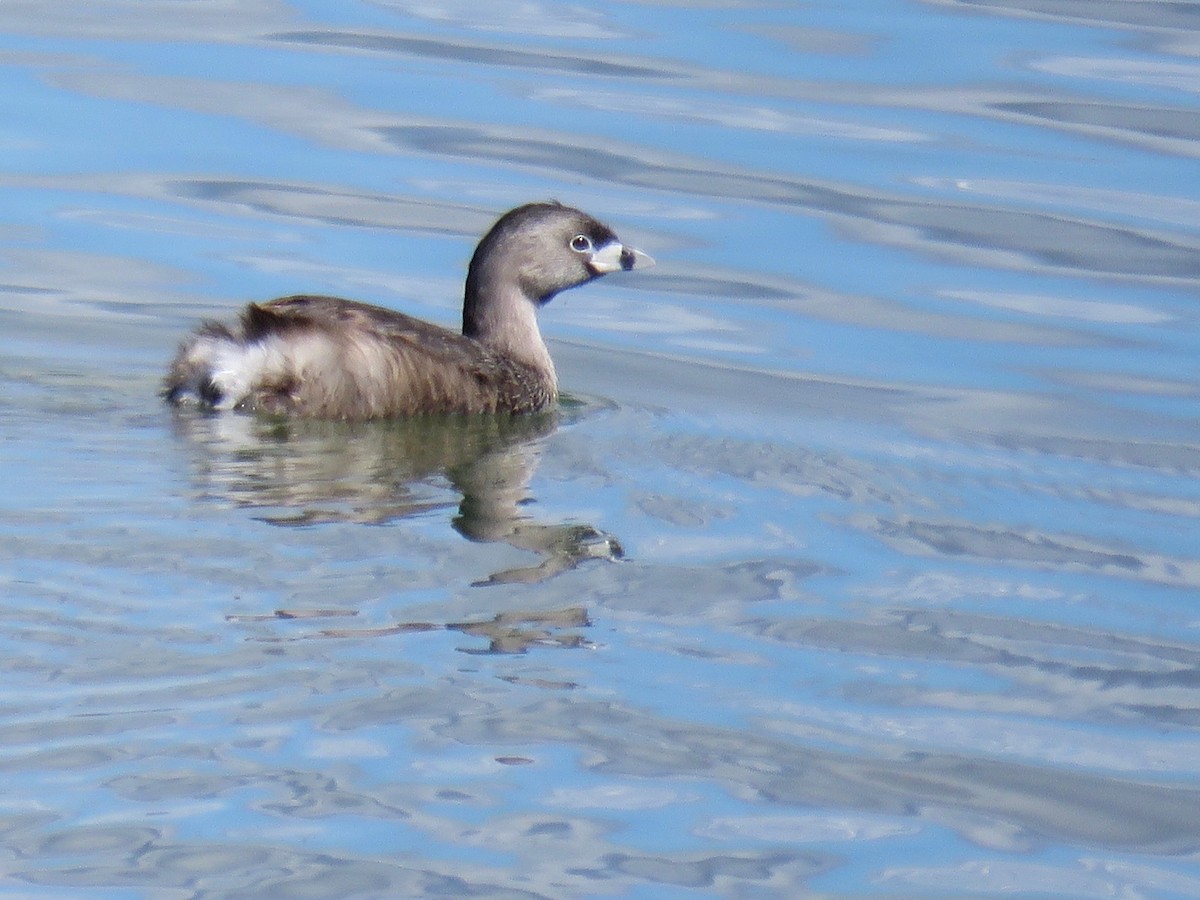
(861, 559)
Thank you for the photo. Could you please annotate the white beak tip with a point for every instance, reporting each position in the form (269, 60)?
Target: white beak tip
(615, 257)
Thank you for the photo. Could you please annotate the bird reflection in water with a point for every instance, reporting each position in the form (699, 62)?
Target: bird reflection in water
(506, 633)
(299, 473)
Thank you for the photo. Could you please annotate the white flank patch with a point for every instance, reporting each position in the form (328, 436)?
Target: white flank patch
(237, 368)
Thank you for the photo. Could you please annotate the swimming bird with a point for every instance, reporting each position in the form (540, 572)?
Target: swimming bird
(329, 358)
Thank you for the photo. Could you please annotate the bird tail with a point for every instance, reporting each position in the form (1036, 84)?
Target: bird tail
(220, 368)
(195, 373)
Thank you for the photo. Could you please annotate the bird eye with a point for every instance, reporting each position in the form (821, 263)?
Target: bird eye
(581, 243)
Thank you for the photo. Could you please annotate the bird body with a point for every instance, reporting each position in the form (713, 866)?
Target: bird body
(329, 358)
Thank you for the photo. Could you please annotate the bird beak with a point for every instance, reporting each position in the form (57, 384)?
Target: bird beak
(616, 257)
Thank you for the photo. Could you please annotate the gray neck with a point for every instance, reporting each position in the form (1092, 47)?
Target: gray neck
(507, 323)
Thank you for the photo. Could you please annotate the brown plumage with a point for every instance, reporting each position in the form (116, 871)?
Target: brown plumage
(329, 358)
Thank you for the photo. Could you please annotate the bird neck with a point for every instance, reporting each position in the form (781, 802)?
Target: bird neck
(507, 323)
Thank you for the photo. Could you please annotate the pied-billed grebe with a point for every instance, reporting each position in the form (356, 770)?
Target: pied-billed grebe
(329, 358)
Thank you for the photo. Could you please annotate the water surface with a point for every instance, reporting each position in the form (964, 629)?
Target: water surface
(860, 560)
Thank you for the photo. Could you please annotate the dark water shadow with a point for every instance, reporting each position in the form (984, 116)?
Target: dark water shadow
(296, 473)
